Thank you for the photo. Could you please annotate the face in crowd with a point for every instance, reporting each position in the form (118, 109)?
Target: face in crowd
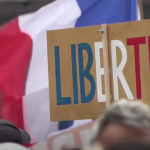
(123, 121)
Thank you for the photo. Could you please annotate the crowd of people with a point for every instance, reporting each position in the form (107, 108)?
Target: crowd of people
(125, 125)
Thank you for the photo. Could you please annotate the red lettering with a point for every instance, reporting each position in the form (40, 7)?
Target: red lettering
(136, 42)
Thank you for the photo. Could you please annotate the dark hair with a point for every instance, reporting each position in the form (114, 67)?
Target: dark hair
(131, 145)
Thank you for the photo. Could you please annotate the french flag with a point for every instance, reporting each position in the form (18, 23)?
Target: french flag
(23, 57)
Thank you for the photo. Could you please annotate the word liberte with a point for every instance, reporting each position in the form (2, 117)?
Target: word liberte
(117, 71)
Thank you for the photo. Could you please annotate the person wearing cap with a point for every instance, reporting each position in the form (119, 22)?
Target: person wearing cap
(123, 121)
(10, 133)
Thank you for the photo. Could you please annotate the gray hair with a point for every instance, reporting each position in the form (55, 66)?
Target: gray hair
(132, 113)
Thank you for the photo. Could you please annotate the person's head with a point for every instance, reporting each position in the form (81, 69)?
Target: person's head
(130, 145)
(10, 133)
(12, 146)
(94, 147)
(124, 120)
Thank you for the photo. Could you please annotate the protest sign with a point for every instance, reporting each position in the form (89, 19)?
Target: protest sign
(129, 49)
(73, 137)
(75, 64)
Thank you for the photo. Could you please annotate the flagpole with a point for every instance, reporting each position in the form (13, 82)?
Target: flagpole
(141, 9)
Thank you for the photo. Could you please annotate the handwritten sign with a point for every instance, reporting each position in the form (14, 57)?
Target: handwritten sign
(75, 73)
(129, 49)
(74, 137)
(76, 68)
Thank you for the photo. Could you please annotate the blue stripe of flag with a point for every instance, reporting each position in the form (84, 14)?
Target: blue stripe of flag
(95, 12)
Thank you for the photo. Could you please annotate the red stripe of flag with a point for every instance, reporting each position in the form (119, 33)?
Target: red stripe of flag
(15, 55)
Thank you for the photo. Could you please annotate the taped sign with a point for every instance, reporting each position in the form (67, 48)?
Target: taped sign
(74, 81)
(76, 72)
(129, 49)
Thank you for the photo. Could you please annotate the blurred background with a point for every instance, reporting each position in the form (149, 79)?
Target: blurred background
(12, 8)
(25, 100)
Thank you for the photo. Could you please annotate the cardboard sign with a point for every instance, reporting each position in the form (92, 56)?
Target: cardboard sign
(129, 49)
(76, 68)
(75, 137)
(75, 64)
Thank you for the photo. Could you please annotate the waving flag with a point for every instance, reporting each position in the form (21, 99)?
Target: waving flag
(23, 57)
